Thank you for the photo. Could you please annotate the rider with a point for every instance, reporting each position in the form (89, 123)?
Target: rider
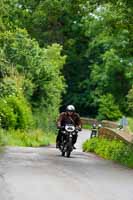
(94, 130)
(68, 117)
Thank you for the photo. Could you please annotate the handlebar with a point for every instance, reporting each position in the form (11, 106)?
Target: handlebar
(76, 128)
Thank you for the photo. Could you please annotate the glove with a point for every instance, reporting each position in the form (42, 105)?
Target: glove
(80, 129)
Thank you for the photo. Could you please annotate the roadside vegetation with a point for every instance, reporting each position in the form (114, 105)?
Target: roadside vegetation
(130, 124)
(31, 138)
(30, 86)
(87, 126)
(111, 149)
(54, 53)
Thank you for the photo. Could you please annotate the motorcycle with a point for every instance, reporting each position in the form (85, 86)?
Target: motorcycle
(93, 131)
(66, 145)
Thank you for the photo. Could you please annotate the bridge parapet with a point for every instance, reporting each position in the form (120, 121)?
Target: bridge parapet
(116, 134)
(105, 123)
(110, 130)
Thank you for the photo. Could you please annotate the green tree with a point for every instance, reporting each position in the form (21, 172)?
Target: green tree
(111, 70)
(39, 66)
(130, 101)
(108, 109)
(31, 72)
(96, 37)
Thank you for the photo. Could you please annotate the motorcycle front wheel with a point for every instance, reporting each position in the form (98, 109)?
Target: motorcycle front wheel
(68, 154)
(69, 148)
(63, 153)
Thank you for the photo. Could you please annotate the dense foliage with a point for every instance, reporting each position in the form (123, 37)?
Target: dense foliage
(108, 109)
(97, 39)
(15, 113)
(130, 101)
(130, 124)
(91, 39)
(112, 150)
(31, 74)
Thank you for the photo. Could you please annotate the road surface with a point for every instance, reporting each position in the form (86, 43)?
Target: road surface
(42, 174)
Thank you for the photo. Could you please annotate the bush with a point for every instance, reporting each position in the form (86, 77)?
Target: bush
(45, 118)
(32, 138)
(8, 118)
(130, 101)
(22, 111)
(15, 113)
(113, 150)
(41, 67)
(90, 145)
(38, 71)
(130, 124)
(108, 109)
(7, 87)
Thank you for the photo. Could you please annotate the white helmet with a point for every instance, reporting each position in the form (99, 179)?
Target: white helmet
(70, 108)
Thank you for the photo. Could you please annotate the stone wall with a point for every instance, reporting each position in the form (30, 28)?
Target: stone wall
(104, 123)
(115, 134)
(110, 130)
(109, 124)
(89, 121)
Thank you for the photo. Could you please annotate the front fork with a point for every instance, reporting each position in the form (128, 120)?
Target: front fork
(70, 143)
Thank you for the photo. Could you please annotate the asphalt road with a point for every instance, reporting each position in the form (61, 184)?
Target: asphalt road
(42, 174)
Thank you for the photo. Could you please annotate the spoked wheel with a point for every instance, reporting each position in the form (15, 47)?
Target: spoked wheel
(69, 148)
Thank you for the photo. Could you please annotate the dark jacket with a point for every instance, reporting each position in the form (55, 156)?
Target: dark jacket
(64, 119)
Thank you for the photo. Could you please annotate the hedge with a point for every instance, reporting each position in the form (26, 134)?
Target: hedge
(111, 149)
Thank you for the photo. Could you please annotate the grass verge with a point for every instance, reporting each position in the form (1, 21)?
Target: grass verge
(111, 150)
(87, 126)
(32, 138)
